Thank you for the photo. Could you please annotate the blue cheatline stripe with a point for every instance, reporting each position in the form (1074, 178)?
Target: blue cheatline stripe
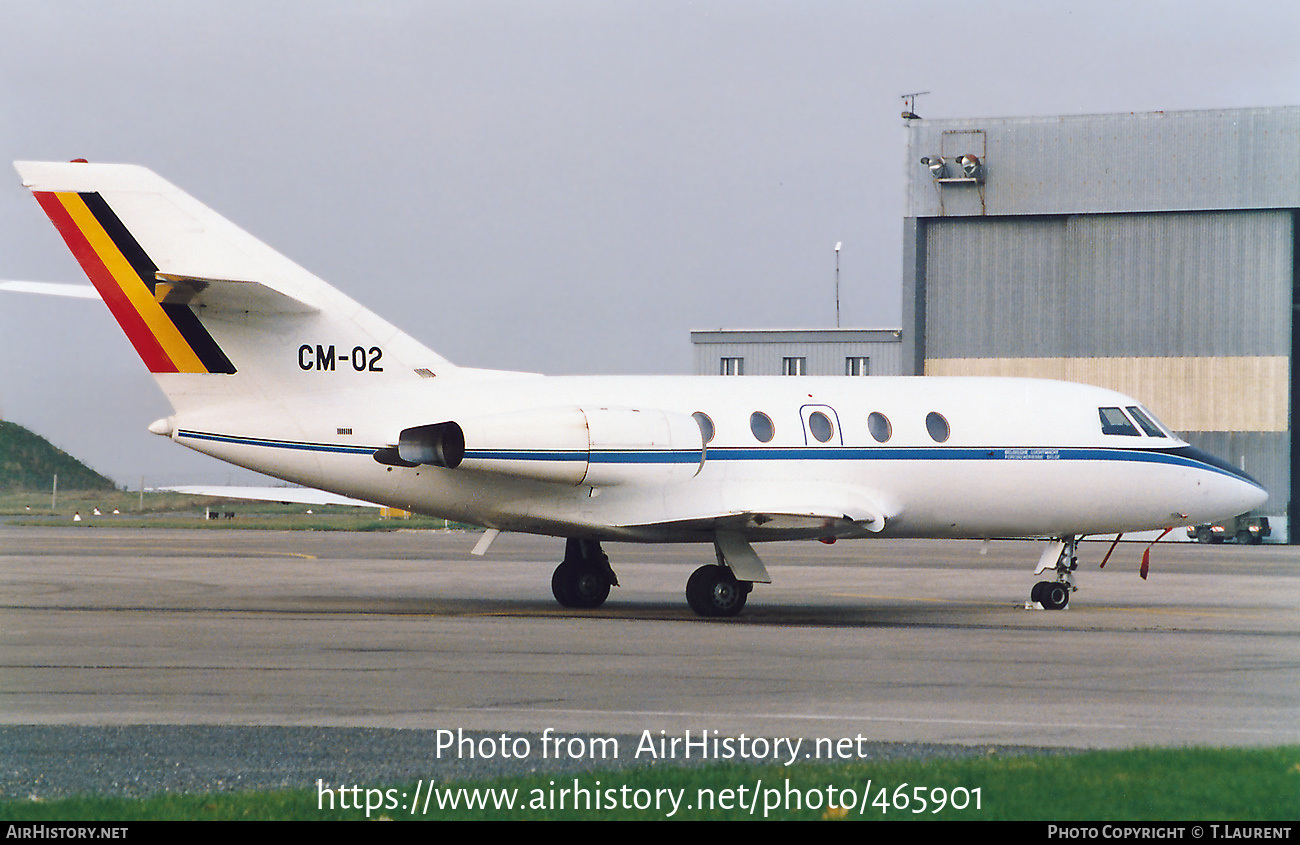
(622, 456)
(336, 448)
(556, 456)
(775, 453)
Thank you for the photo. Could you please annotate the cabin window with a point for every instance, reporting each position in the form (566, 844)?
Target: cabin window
(878, 425)
(1113, 421)
(1148, 424)
(937, 426)
(793, 366)
(820, 426)
(857, 366)
(731, 367)
(761, 424)
(706, 426)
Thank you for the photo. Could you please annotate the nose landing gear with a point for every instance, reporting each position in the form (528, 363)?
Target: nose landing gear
(1061, 557)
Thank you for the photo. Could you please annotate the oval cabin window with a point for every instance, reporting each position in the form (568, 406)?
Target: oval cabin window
(878, 425)
(820, 426)
(761, 424)
(937, 426)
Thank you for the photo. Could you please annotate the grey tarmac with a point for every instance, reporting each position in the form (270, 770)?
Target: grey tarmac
(302, 641)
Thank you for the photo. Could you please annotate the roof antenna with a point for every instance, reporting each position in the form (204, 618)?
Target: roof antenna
(837, 284)
(909, 105)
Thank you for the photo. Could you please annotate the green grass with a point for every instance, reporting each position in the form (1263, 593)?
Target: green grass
(178, 510)
(1141, 785)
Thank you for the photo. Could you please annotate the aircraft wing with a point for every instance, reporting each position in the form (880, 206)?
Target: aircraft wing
(51, 289)
(782, 511)
(295, 495)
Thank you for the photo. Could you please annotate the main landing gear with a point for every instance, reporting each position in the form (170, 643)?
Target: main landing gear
(714, 591)
(722, 589)
(584, 577)
(1061, 557)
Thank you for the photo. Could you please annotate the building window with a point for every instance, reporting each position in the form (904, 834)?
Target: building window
(860, 366)
(732, 367)
(793, 366)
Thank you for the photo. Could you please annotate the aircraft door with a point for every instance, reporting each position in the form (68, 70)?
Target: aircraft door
(821, 426)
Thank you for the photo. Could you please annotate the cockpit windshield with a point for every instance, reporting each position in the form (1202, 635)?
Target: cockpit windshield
(1113, 421)
(1146, 421)
(1116, 421)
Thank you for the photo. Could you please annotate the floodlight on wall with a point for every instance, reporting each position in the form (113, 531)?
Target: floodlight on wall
(938, 167)
(971, 167)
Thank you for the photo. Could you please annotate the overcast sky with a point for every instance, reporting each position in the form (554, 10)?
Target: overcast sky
(564, 187)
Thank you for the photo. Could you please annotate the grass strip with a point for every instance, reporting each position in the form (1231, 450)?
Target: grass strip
(1132, 785)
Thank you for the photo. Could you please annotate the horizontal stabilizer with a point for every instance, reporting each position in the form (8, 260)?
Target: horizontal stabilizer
(219, 295)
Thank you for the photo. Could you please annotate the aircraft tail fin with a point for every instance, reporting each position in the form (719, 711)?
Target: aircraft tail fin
(199, 298)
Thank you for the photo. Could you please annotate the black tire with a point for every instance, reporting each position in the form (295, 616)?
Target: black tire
(1054, 595)
(714, 591)
(576, 585)
(1036, 594)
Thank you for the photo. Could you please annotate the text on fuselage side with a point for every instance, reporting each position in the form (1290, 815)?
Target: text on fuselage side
(1033, 454)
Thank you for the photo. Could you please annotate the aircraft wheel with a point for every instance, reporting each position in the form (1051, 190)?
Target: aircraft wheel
(1052, 595)
(714, 591)
(575, 585)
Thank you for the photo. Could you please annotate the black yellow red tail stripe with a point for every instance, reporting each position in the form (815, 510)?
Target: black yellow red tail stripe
(168, 336)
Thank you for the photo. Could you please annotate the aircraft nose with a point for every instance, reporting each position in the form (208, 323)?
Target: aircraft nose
(1227, 491)
(1251, 496)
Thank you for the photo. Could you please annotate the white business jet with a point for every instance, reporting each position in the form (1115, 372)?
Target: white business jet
(270, 368)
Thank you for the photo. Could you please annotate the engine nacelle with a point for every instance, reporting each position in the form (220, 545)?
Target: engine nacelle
(597, 446)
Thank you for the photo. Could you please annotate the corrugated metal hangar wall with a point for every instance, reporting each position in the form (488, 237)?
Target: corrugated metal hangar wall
(1150, 253)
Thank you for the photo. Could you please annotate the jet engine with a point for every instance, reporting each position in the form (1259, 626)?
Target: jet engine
(579, 446)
